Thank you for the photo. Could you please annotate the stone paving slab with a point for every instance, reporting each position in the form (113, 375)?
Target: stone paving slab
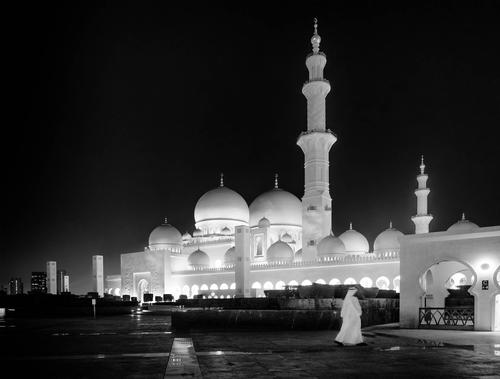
(314, 355)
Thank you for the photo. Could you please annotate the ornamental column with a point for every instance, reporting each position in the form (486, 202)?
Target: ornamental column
(316, 143)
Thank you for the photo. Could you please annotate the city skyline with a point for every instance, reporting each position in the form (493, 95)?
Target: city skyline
(142, 113)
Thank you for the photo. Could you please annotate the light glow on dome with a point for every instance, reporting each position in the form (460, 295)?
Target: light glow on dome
(278, 206)
(221, 203)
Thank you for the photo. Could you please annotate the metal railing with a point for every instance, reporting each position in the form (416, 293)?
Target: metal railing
(446, 318)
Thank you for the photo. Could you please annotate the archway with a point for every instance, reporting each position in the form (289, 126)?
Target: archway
(366, 282)
(280, 285)
(306, 283)
(117, 291)
(224, 286)
(350, 281)
(446, 303)
(142, 288)
(396, 282)
(195, 290)
(334, 281)
(293, 283)
(268, 286)
(320, 281)
(382, 283)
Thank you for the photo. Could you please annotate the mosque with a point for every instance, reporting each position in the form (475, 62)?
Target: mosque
(290, 240)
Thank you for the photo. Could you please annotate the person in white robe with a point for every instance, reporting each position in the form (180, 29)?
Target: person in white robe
(350, 332)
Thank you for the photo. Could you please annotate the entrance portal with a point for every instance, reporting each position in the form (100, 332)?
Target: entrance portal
(447, 304)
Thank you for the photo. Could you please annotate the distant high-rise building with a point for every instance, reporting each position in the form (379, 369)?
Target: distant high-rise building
(16, 286)
(66, 283)
(98, 274)
(52, 277)
(39, 282)
(62, 281)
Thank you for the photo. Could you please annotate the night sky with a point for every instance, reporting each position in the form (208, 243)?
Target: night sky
(124, 113)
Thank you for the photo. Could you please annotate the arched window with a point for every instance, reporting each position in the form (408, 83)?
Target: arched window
(366, 282)
(293, 283)
(383, 283)
(280, 285)
(350, 281)
(306, 283)
(224, 286)
(232, 286)
(268, 286)
(334, 281)
(204, 287)
(214, 287)
(256, 285)
(320, 281)
(185, 290)
(117, 292)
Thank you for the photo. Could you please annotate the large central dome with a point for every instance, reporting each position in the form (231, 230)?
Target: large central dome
(221, 203)
(278, 206)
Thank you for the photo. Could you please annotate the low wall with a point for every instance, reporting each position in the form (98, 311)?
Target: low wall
(308, 314)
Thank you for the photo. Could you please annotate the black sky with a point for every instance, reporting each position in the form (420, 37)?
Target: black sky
(122, 113)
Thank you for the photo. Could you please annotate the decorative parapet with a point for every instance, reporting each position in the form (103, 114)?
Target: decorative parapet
(208, 239)
(389, 256)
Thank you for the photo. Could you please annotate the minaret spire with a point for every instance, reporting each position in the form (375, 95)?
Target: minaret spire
(422, 166)
(276, 181)
(222, 179)
(316, 143)
(422, 219)
(315, 39)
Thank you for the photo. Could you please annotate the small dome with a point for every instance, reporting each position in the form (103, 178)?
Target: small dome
(330, 245)
(287, 238)
(221, 203)
(163, 236)
(278, 206)
(388, 240)
(463, 226)
(279, 251)
(229, 256)
(198, 259)
(264, 223)
(354, 242)
(197, 233)
(186, 236)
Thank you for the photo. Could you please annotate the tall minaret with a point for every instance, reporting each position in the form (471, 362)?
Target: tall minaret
(422, 219)
(316, 143)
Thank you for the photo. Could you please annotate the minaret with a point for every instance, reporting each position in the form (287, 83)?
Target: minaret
(316, 143)
(422, 219)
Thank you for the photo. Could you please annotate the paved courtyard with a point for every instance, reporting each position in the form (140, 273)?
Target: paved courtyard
(143, 346)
